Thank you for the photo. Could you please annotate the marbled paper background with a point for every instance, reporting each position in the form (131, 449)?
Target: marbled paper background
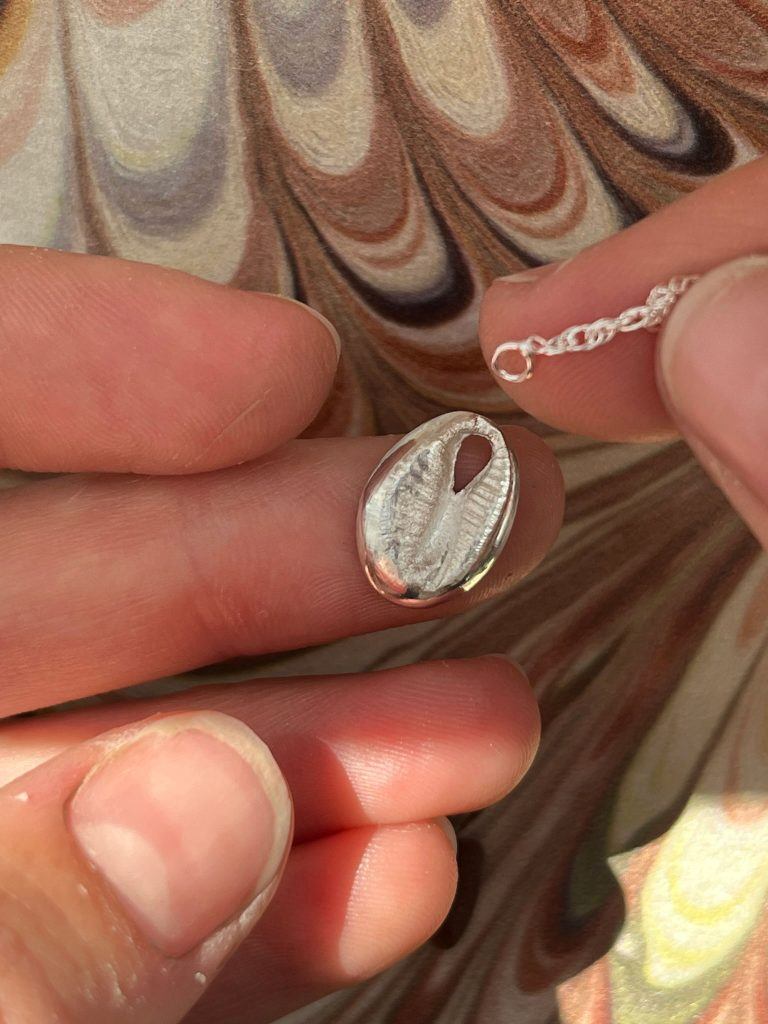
(383, 160)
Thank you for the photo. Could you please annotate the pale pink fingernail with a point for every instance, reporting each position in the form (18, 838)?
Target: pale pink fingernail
(187, 822)
(330, 328)
(507, 659)
(450, 832)
(532, 274)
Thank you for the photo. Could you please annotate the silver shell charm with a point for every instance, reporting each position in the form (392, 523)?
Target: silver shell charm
(421, 541)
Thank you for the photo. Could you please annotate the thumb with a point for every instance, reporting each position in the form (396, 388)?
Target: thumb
(132, 865)
(713, 374)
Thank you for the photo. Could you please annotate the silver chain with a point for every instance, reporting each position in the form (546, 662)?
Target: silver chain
(585, 337)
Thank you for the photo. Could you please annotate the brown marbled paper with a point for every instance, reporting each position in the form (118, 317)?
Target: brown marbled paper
(383, 160)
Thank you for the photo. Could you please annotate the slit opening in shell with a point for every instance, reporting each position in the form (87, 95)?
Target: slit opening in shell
(471, 459)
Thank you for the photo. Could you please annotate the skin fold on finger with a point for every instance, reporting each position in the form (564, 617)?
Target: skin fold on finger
(350, 905)
(113, 581)
(611, 393)
(132, 865)
(116, 366)
(399, 745)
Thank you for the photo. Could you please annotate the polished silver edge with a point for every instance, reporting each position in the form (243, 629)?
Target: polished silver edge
(499, 540)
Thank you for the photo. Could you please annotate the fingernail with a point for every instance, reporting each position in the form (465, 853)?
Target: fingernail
(450, 832)
(506, 658)
(532, 274)
(187, 822)
(713, 368)
(323, 320)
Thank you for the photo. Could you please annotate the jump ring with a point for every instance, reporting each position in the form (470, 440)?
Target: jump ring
(513, 378)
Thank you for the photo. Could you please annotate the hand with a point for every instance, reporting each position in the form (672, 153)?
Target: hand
(705, 375)
(135, 857)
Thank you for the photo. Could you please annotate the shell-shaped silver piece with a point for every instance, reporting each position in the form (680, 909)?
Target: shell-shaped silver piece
(421, 541)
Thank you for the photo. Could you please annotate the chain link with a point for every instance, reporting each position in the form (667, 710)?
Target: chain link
(585, 337)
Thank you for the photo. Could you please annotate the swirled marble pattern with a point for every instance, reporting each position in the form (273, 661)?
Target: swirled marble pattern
(383, 160)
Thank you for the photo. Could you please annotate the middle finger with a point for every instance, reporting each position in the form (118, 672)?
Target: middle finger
(108, 582)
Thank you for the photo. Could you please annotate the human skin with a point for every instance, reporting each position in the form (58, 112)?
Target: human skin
(189, 527)
(365, 837)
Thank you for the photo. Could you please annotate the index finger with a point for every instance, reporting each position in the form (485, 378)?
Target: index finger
(114, 366)
(611, 393)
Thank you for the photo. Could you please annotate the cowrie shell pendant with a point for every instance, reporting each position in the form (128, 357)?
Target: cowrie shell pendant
(422, 541)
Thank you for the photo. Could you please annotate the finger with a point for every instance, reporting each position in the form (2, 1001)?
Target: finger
(713, 369)
(611, 392)
(350, 906)
(138, 578)
(400, 745)
(117, 366)
(132, 865)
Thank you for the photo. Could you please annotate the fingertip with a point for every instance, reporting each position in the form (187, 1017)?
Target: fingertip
(167, 373)
(608, 393)
(352, 904)
(516, 721)
(183, 859)
(679, 350)
(483, 744)
(159, 844)
(412, 865)
(276, 362)
(323, 321)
